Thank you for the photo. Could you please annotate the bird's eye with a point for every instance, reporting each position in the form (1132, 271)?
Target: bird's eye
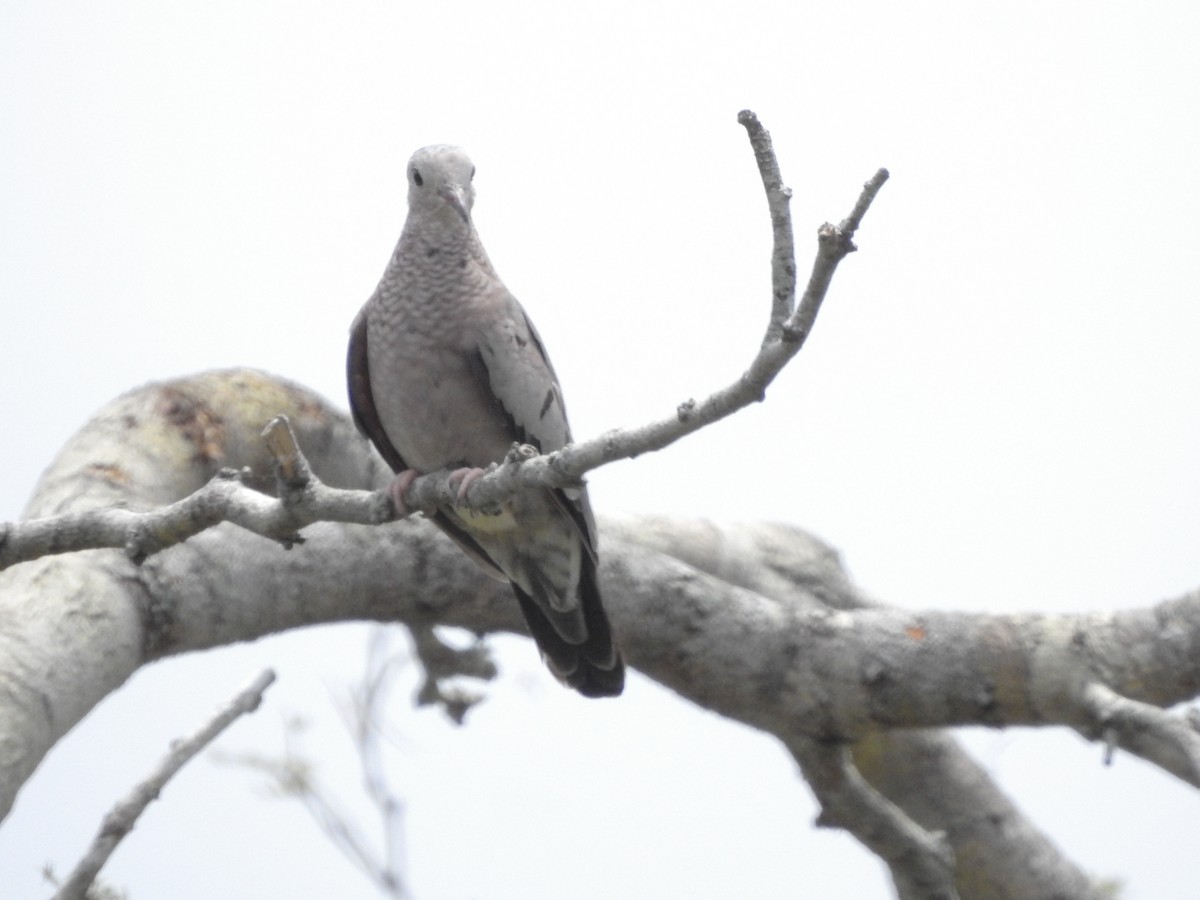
(472, 178)
(417, 179)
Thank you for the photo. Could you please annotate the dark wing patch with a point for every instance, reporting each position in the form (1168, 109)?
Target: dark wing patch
(577, 510)
(541, 348)
(362, 398)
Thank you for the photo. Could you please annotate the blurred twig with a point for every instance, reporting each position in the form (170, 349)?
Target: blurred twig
(120, 820)
(293, 774)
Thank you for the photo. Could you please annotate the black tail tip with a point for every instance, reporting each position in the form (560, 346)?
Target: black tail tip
(592, 681)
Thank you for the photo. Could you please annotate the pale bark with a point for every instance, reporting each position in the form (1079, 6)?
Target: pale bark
(758, 623)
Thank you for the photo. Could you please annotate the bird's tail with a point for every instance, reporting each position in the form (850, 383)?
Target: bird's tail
(591, 665)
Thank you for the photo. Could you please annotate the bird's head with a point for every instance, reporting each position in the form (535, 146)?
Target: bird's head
(439, 182)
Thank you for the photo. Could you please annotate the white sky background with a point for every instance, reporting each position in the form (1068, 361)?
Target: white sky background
(997, 410)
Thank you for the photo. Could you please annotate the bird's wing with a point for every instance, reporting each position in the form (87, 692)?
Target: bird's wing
(511, 362)
(362, 398)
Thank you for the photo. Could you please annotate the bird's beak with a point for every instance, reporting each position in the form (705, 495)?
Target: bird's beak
(454, 195)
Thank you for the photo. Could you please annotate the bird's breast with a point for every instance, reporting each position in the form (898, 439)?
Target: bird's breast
(432, 405)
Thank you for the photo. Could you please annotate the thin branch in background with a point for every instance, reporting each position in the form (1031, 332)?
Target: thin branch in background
(338, 826)
(921, 862)
(294, 775)
(367, 717)
(120, 820)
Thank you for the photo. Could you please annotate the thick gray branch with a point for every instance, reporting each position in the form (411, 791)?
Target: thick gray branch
(759, 623)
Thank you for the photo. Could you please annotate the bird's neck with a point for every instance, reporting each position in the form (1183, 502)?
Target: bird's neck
(451, 243)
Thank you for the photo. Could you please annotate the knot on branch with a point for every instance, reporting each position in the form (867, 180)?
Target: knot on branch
(291, 468)
(834, 241)
(519, 453)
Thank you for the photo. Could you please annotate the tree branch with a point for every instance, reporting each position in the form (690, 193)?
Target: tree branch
(1170, 742)
(295, 775)
(921, 862)
(783, 252)
(759, 624)
(121, 819)
(303, 499)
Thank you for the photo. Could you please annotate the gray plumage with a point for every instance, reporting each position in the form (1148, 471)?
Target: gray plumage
(446, 371)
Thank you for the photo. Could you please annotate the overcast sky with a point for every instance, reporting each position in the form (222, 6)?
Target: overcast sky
(997, 410)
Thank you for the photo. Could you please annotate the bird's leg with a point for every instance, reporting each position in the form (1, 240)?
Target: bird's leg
(464, 478)
(396, 490)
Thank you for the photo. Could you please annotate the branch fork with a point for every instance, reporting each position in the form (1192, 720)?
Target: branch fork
(1158, 736)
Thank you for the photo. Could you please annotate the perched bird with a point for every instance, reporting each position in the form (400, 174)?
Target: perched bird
(445, 370)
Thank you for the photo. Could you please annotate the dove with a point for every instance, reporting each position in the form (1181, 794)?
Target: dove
(446, 371)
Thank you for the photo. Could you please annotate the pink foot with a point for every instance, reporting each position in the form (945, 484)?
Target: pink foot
(464, 478)
(396, 490)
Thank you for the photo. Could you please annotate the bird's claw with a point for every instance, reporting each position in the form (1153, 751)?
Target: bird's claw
(462, 479)
(397, 489)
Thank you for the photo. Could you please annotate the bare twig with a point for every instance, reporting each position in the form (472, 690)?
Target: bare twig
(921, 863)
(834, 243)
(226, 498)
(294, 775)
(120, 820)
(1169, 741)
(363, 718)
(783, 253)
(366, 726)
